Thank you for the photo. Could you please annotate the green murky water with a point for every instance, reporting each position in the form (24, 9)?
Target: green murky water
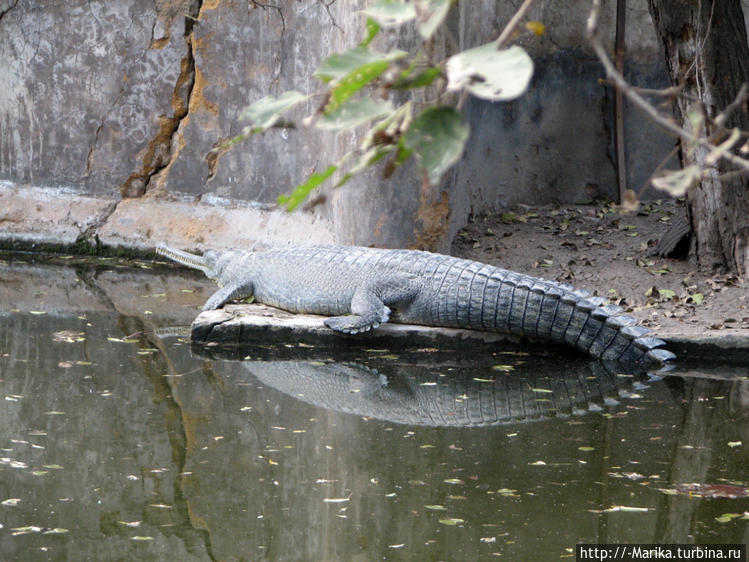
(117, 444)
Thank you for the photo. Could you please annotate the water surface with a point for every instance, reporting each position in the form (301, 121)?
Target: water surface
(119, 443)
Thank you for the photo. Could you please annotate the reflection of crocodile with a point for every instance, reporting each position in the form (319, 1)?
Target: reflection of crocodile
(422, 288)
(416, 395)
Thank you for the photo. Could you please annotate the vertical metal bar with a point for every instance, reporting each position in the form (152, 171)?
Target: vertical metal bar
(619, 50)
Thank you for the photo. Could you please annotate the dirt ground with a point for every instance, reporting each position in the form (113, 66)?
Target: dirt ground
(607, 252)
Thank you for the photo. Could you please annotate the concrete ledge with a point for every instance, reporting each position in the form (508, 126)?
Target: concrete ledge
(143, 223)
(37, 215)
(33, 216)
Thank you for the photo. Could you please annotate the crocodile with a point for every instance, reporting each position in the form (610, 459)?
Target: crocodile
(360, 288)
(413, 394)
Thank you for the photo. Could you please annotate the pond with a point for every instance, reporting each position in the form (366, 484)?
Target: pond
(119, 441)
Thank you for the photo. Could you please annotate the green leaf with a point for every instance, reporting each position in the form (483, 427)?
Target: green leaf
(373, 28)
(452, 521)
(339, 65)
(438, 136)
(430, 14)
(353, 82)
(263, 114)
(489, 73)
(369, 158)
(389, 13)
(301, 191)
(415, 77)
(353, 113)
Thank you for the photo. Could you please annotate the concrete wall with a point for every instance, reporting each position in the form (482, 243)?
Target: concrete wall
(127, 99)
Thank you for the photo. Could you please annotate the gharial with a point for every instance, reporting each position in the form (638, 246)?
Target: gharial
(360, 288)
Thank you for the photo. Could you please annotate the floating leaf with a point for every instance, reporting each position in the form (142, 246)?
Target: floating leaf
(263, 114)
(438, 136)
(542, 390)
(68, 336)
(503, 368)
(489, 73)
(733, 444)
(436, 507)
(727, 517)
(336, 500)
(141, 538)
(454, 481)
(586, 448)
(389, 13)
(452, 521)
(11, 501)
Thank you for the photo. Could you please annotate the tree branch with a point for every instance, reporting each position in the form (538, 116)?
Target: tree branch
(637, 100)
(513, 23)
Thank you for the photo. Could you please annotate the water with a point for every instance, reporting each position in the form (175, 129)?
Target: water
(120, 444)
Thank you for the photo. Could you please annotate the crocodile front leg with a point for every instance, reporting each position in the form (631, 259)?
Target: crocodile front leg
(371, 302)
(228, 293)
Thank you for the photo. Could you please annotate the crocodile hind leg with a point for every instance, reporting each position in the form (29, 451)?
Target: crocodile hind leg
(227, 293)
(371, 302)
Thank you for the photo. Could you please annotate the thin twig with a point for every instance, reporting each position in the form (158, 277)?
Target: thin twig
(733, 106)
(670, 92)
(513, 23)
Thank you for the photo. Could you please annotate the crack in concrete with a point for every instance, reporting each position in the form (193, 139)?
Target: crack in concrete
(281, 56)
(8, 9)
(327, 6)
(159, 154)
(90, 234)
(90, 156)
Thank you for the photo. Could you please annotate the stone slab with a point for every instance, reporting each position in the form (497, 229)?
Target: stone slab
(237, 325)
(39, 215)
(251, 323)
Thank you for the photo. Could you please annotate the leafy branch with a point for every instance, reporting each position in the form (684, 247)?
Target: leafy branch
(359, 84)
(721, 144)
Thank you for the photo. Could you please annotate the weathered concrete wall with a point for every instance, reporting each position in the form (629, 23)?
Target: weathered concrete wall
(127, 99)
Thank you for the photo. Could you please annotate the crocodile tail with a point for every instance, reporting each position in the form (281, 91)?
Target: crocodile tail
(577, 319)
(495, 299)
